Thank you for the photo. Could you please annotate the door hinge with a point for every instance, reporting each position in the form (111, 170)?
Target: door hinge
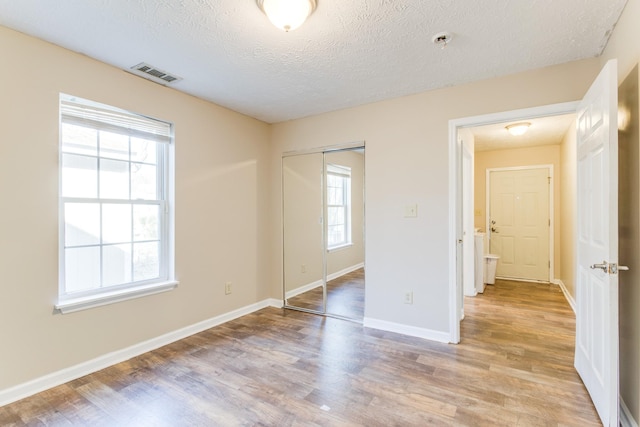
(549, 264)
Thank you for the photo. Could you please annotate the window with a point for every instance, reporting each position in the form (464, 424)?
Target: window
(338, 206)
(114, 213)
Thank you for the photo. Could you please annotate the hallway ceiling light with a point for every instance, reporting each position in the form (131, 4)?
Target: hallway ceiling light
(517, 129)
(287, 14)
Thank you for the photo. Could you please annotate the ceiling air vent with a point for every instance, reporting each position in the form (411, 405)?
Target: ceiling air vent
(152, 73)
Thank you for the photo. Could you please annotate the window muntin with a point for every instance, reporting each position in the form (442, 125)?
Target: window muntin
(113, 199)
(338, 206)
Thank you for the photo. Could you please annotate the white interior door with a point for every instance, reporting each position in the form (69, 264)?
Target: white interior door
(596, 356)
(519, 222)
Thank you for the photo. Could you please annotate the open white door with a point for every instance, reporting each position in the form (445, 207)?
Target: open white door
(596, 356)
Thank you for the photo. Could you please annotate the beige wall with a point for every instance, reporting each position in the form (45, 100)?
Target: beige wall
(624, 47)
(629, 242)
(566, 228)
(407, 162)
(221, 211)
(532, 156)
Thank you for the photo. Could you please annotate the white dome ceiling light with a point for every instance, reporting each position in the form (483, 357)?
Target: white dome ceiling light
(518, 129)
(287, 14)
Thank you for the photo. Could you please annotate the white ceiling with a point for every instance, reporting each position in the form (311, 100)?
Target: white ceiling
(543, 131)
(349, 52)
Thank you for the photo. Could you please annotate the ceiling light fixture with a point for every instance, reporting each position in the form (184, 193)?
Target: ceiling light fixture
(517, 129)
(287, 14)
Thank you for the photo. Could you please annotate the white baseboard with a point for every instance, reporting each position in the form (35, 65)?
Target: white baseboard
(626, 419)
(302, 289)
(567, 295)
(54, 379)
(344, 271)
(406, 330)
(309, 286)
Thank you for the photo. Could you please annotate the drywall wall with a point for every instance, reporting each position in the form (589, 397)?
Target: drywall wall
(629, 240)
(566, 228)
(541, 155)
(407, 163)
(620, 45)
(221, 211)
(623, 47)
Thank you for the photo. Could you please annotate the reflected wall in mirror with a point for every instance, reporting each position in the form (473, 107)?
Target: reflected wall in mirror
(323, 226)
(303, 268)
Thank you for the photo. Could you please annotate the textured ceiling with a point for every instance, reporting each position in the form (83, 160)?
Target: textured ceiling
(348, 53)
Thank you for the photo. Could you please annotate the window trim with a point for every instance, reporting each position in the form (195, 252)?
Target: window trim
(67, 303)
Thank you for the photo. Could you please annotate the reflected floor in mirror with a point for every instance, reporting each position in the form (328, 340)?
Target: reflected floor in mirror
(345, 296)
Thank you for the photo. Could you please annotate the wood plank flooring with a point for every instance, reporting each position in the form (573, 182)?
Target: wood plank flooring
(286, 368)
(345, 296)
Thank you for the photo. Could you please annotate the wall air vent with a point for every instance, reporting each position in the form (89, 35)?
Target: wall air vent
(155, 75)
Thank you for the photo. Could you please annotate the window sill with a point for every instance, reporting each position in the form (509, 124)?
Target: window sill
(339, 247)
(71, 305)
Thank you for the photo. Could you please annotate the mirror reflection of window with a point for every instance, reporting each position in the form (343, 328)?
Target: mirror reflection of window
(338, 206)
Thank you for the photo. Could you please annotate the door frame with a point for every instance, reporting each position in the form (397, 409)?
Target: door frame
(549, 168)
(455, 178)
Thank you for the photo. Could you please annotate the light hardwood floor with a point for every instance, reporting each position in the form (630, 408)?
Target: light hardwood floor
(345, 296)
(287, 368)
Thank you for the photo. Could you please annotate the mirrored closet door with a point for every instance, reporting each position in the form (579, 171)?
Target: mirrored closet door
(323, 231)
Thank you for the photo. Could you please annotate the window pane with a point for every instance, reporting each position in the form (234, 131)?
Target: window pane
(82, 269)
(336, 215)
(143, 182)
(146, 263)
(79, 176)
(116, 223)
(116, 264)
(335, 235)
(114, 145)
(82, 224)
(332, 198)
(114, 179)
(146, 222)
(78, 139)
(143, 150)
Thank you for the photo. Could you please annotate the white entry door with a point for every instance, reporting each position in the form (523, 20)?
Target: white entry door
(596, 356)
(519, 222)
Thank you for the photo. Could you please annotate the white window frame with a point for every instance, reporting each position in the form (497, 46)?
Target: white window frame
(343, 172)
(98, 116)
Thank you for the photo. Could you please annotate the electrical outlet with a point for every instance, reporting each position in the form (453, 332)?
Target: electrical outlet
(227, 288)
(303, 268)
(408, 297)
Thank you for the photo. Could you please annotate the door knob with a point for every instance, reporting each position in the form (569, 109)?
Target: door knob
(493, 230)
(604, 266)
(612, 268)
